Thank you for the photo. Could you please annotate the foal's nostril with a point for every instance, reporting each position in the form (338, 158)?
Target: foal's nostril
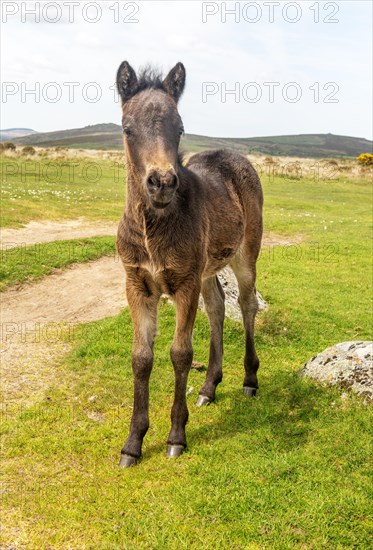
(156, 182)
(153, 182)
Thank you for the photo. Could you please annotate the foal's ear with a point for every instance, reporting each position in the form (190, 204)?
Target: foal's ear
(127, 83)
(174, 82)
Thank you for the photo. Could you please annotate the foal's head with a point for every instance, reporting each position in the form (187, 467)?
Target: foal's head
(152, 128)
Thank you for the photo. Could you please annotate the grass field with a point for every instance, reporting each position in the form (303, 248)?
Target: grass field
(55, 186)
(289, 469)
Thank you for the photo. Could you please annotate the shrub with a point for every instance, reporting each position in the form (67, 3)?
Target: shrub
(1, 147)
(28, 150)
(9, 145)
(365, 159)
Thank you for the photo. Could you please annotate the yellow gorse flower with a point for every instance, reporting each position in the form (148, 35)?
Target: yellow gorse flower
(366, 159)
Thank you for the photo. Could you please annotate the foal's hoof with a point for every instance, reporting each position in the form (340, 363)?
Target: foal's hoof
(127, 461)
(250, 392)
(173, 451)
(203, 400)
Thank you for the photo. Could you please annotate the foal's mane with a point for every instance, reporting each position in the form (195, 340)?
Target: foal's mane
(149, 78)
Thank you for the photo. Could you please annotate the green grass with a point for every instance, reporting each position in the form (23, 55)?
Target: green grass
(60, 189)
(27, 263)
(324, 282)
(289, 469)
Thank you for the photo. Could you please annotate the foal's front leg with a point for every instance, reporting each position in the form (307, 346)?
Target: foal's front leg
(143, 296)
(186, 301)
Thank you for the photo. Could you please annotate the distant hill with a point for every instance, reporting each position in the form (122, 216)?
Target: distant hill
(98, 136)
(302, 145)
(109, 136)
(12, 133)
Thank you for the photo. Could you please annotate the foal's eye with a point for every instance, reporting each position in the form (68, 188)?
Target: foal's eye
(126, 131)
(181, 131)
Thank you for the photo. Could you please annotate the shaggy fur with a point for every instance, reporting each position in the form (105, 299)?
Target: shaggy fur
(181, 225)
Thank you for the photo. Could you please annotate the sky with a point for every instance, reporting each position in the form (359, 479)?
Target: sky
(253, 68)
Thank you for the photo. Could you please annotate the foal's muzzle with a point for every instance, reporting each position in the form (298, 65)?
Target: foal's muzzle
(162, 187)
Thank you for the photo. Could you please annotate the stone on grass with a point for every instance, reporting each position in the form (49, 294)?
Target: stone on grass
(229, 283)
(348, 365)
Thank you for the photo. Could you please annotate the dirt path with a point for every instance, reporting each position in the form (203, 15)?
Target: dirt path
(34, 316)
(42, 232)
(82, 293)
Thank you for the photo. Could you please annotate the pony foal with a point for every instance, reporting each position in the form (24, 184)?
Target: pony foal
(181, 225)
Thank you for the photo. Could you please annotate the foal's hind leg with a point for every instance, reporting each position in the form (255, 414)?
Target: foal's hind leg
(213, 296)
(245, 272)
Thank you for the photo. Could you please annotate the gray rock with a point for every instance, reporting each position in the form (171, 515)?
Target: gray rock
(229, 283)
(348, 364)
